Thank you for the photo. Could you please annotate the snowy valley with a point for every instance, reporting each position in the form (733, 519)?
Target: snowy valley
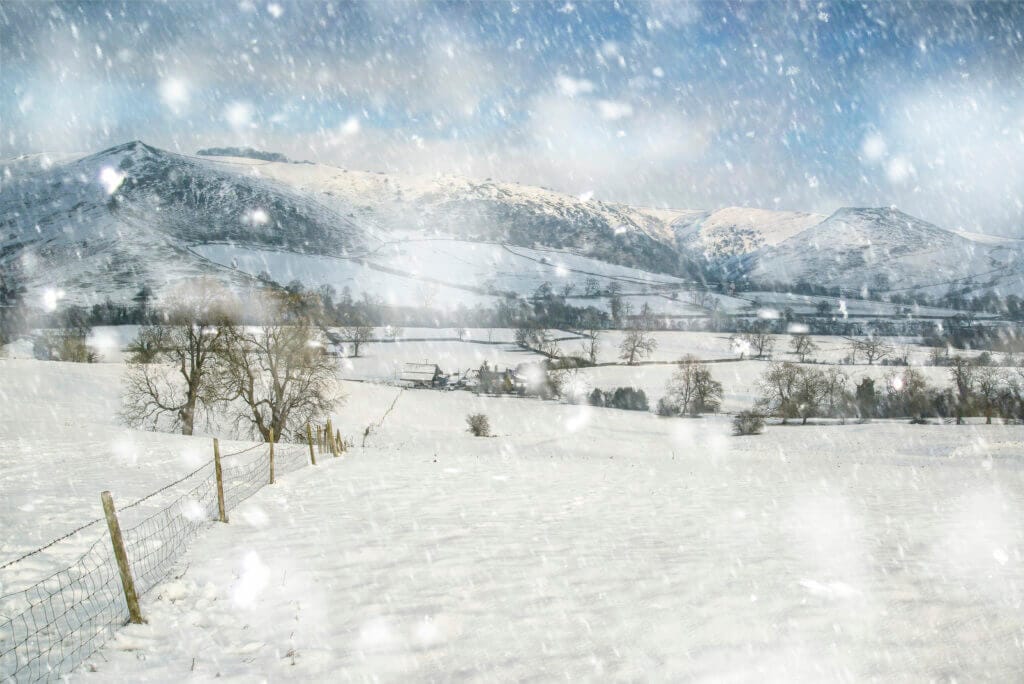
(844, 550)
(495, 341)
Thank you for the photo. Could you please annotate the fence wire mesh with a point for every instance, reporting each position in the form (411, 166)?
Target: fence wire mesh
(53, 626)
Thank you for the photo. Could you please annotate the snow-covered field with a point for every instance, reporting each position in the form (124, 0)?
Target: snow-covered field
(444, 273)
(577, 543)
(807, 304)
(589, 543)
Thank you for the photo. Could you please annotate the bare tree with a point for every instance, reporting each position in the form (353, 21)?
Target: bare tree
(591, 344)
(174, 378)
(873, 348)
(961, 372)
(989, 383)
(702, 298)
(778, 387)
(907, 394)
(276, 377)
(760, 343)
(617, 306)
(357, 333)
(809, 393)
(532, 337)
(837, 400)
(691, 389)
(938, 356)
(12, 304)
(802, 345)
(637, 344)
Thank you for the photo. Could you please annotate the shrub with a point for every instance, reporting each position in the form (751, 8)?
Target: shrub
(64, 345)
(747, 423)
(627, 398)
(73, 348)
(666, 407)
(479, 425)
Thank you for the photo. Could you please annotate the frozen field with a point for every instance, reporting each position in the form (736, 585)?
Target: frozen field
(590, 543)
(443, 273)
(577, 543)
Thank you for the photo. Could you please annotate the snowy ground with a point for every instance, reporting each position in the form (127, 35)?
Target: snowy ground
(62, 444)
(443, 273)
(578, 542)
(592, 543)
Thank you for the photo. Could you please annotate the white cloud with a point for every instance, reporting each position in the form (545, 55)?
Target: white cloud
(239, 115)
(174, 92)
(964, 151)
(612, 111)
(899, 169)
(873, 147)
(351, 126)
(571, 87)
(670, 14)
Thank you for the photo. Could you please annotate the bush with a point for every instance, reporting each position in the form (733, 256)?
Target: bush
(479, 425)
(667, 407)
(627, 398)
(747, 423)
(64, 345)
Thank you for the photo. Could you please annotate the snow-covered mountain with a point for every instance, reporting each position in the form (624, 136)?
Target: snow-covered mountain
(881, 250)
(491, 211)
(737, 231)
(106, 224)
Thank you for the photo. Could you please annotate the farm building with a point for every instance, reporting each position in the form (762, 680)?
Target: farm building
(423, 375)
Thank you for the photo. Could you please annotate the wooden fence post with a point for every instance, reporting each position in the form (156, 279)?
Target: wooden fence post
(220, 481)
(330, 436)
(340, 442)
(319, 439)
(309, 438)
(127, 583)
(271, 455)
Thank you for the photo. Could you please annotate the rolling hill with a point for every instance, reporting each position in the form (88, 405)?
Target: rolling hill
(106, 224)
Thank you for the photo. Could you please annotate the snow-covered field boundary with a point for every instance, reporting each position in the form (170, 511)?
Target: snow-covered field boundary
(51, 627)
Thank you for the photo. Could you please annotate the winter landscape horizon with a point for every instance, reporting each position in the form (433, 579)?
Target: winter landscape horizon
(413, 341)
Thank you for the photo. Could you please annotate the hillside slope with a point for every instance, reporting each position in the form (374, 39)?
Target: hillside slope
(107, 224)
(737, 231)
(877, 250)
(453, 206)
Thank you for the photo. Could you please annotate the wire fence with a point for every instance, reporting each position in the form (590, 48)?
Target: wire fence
(53, 626)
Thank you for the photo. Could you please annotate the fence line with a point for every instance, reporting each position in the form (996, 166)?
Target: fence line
(53, 626)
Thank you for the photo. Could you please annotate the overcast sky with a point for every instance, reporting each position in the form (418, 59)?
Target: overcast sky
(807, 106)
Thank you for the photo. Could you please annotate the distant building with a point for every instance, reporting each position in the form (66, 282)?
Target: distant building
(423, 375)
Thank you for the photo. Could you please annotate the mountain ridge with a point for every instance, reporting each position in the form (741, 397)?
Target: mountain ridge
(120, 212)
